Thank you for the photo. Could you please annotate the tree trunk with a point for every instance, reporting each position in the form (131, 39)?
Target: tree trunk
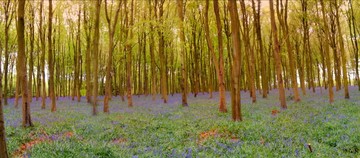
(219, 64)
(257, 25)
(327, 52)
(78, 58)
(235, 73)
(152, 56)
(87, 57)
(95, 55)
(354, 41)
(31, 53)
(51, 60)
(3, 149)
(129, 55)
(277, 57)
(342, 51)
(42, 40)
(9, 12)
(183, 83)
(162, 58)
(26, 117)
(286, 35)
(111, 27)
(248, 48)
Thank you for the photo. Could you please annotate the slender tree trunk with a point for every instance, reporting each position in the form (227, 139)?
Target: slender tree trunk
(183, 53)
(42, 39)
(277, 57)
(327, 52)
(95, 55)
(8, 8)
(235, 89)
(257, 25)
(26, 118)
(286, 35)
(51, 60)
(163, 65)
(129, 55)
(219, 64)
(111, 27)
(77, 56)
(152, 56)
(248, 48)
(342, 51)
(87, 56)
(354, 41)
(31, 54)
(3, 148)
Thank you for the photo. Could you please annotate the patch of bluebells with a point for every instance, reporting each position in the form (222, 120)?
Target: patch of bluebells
(152, 128)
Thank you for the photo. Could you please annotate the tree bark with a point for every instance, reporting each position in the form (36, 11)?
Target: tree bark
(354, 40)
(3, 148)
(129, 55)
(51, 60)
(87, 57)
(152, 56)
(162, 58)
(286, 35)
(257, 25)
(327, 53)
(8, 8)
(31, 53)
(342, 51)
(95, 55)
(249, 49)
(277, 58)
(218, 63)
(183, 83)
(111, 27)
(26, 117)
(235, 73)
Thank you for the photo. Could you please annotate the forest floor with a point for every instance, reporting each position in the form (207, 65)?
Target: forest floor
(154, 129)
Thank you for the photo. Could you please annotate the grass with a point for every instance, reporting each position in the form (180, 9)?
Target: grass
(154, 129)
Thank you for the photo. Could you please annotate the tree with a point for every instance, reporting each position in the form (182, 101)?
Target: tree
(128, 47)
(354, 39)
(51, 60)
(221, 81)
(77, 59)
(31, 52)
(327, 52)
(183, 83)
(283, 20)
(235, 70)
(26, 117)
(152, 55)
(42, 39)
(163, 64)
(3, 149)
(342, 51)
(257, 25)
(87, 28)
(306, 42)
(249, 51)
(111, 27)
(9, 12)
(277, 58)
(95, 54)
(219, 69)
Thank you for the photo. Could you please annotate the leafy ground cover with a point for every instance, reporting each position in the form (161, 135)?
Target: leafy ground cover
(154, 129)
